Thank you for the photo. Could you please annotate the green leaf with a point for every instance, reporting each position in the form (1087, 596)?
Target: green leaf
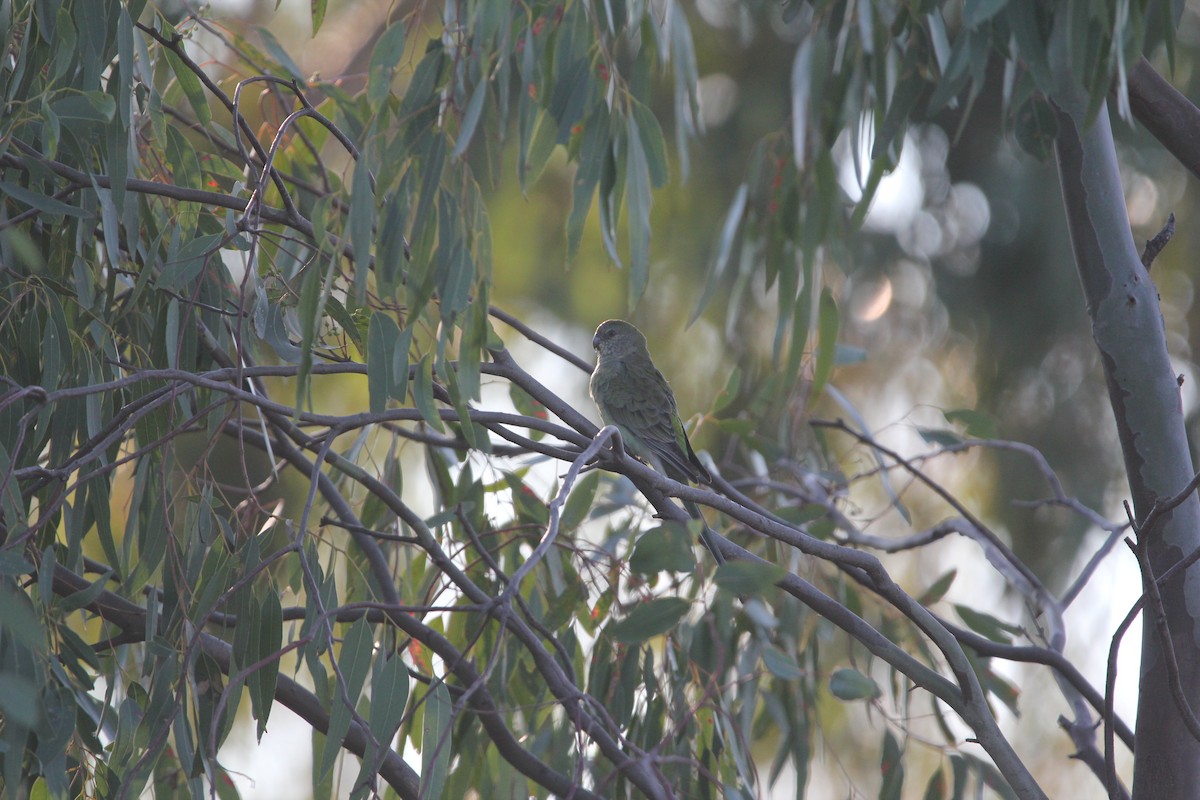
(648, 619)
(390, 246)
(986, 625)
(937, 590)
(529, 507)
(571, 93)
(637, 199)
(850, 684)
(908, 88)
(55, 729)
(193, 89)
(1001, 688)
(184, 265)
(828, 321)
(474, 339)
(83, 597)
(432, 166)
(277, 52)
(748, 577)
(436, 746)
(382, 333)
(653, 144)
(56, 344)
(455, 268)
(955, 72)
(1025, 21)
(13, 562)
(475, 436)
(211, 716)
(667, 548)
(317, 10)
(421, 89)
(937, 436)
(361, 221)
(592, 152)
(545, 137)
(612, 187)
(353, 662)
(760, 613)
(399, 385)
(40, 201)
(579, 501)
(66, 44)
(891, 768)
(423, 393)
(88, 106)
(802, 86)
(18, 699)
(263, 681)
(977, 423)
(389, 696)
(185, 171)
(780, 664)
(470, 120)
(385, 57)
(313, 291)
(22, 626)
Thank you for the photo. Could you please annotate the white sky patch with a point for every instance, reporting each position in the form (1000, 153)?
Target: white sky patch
(900, 194)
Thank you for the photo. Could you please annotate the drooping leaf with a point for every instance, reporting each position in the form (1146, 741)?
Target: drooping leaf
(579, 502)
(192, 88)
(436, 744)
(850, 684)
(937, 590)
(648, 619)
(780, 664)
(828, 321)
(986, 625)
(317, 10)
(666, 548)
(592, 152)
(385, 58)
(263, 681)
(637, 197)
(748, 577)
(891, 768)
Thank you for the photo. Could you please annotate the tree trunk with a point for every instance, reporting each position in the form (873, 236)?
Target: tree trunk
(1127, 327)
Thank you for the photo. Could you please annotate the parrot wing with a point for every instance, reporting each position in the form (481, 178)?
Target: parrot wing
(638, 400)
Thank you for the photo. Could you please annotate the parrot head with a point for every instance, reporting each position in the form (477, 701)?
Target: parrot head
(616, 338)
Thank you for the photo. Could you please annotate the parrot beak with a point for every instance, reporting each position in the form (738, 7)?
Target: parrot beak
(596, 342)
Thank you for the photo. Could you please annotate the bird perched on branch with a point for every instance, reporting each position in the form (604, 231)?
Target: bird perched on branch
(633, 395)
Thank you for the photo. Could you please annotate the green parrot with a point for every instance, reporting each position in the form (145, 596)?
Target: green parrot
(633, 395)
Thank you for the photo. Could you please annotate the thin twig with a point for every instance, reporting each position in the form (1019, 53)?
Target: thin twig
(608, 433)
(1155, 245)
